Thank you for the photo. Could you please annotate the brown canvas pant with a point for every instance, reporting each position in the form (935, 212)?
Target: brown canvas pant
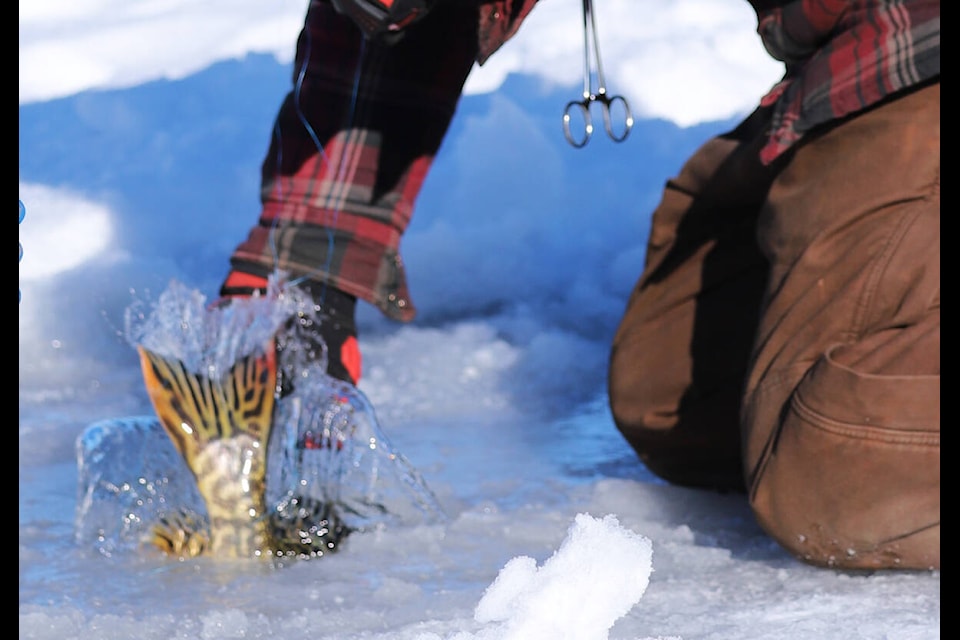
(784, 337)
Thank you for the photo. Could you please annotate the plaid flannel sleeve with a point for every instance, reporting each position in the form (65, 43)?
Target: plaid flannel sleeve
(843, 57)
(351, 147)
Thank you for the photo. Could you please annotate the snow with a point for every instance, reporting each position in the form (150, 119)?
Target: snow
(142, 127)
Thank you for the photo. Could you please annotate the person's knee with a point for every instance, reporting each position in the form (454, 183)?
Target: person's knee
(850, 478)
(895, 534)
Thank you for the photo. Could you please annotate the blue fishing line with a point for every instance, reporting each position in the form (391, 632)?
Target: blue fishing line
(296, 92)
(341, 169)
(354, 96)
(297, 88)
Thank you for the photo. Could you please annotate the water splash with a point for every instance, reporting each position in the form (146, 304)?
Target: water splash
(210, 337)
(326, 445)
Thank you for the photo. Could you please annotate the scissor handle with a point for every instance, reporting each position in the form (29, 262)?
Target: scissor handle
(608, 102)
(584, 107)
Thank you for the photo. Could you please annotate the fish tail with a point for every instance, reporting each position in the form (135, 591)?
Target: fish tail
(195, 409)
(221, 427)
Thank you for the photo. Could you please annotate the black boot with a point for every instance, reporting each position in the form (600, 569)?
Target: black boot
(333, 325)
(327, 331)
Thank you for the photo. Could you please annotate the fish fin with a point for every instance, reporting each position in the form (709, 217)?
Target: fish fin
(195, 409)
(182, 534)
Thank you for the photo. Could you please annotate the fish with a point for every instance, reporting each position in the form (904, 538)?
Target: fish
(221, 427)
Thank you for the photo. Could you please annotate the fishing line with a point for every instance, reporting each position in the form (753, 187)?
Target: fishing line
(338, 175)
(298, 87)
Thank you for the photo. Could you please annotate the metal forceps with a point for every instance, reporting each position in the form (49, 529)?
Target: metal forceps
(589, 97)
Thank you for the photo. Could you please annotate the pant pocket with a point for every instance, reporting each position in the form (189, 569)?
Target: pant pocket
(852, 478)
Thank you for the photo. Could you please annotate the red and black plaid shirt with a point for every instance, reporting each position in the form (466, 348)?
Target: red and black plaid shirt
(355, 138)
(843, 56)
